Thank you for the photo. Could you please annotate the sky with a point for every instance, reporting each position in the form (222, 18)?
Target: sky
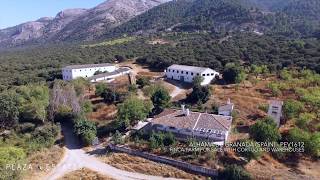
(14, 12)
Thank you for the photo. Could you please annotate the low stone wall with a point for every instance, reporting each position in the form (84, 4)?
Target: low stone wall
(179, 164)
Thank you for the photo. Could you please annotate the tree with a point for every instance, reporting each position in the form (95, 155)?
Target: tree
(9, 111)
(160, 99)
(264, 131)
(200, 94)
(101, 88)
(11, 156)
(133, 110)
(110, 96)
(143, 81)
(292, 108)
(86, 130)
(234, 73)
(234, 172)
(197, 81)
(33, 101)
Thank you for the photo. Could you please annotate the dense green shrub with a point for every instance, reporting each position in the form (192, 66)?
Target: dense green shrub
(160, 99)
(101, 88)
(143, 81)
(44, 136)
(87, 106)
(199, 94)
(86, 131)
(304, 119)
(311, 141)
(265, 131)
(9, 111)
(11, 156)
(292, 108)
(133, 110)
(234, 172)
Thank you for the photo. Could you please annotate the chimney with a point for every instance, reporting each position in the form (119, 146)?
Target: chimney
(187, 113)
(183, 108)
(229, 101)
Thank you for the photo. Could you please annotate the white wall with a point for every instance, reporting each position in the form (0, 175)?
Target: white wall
(69, 74)
(187, 76)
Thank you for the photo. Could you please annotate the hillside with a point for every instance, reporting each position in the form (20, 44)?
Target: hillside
(289, 18)
(75, 24)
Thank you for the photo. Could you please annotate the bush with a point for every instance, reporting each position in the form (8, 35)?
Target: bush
(133, 110)
(133, 88)
(117, 138)
(264, 130)
(101, 88)
(263, 107)
(160, 99)
(304, 119)
(234, 172)
(14, 156)
(26, 127)
(253, 152)
(87, 107)
(200, 94)
(311, 141)
(86, 130)
(143, 81)
(169, 139)
(292, 108)
(44, 136)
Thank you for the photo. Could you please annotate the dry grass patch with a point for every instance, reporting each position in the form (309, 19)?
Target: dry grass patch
(103, 112)
(43, 162)
(268, 168)
(85, 174)
(140, 165)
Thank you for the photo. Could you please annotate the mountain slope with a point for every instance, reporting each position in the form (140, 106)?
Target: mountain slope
(260, 16)
(76, 24)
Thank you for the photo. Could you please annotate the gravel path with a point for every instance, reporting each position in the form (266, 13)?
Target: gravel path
(75, 158)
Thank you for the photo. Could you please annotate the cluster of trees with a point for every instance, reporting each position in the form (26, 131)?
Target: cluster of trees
(291, 18)
(200, 49)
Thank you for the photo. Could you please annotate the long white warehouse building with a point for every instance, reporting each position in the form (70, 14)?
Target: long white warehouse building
(85, 70)
(187, 73)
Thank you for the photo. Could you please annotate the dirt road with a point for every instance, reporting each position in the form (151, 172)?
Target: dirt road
(76, 158)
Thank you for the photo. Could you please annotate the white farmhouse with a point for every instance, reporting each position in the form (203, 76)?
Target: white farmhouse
(86, 70)
(187, 73)
(185, 124)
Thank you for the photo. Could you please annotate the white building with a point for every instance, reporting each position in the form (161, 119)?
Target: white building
(226, 110)
(187, 73)
(275, 111)
(185, 124)
(86, 70)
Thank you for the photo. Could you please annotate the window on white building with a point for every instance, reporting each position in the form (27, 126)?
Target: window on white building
(181, 72)
(212, 74)
(187, 72)
(192, 74)
(177, 71)
(203, 75)
(208, 74)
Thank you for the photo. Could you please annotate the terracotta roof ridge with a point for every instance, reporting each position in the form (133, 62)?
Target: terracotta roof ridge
(195, 125)
(226, 128)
